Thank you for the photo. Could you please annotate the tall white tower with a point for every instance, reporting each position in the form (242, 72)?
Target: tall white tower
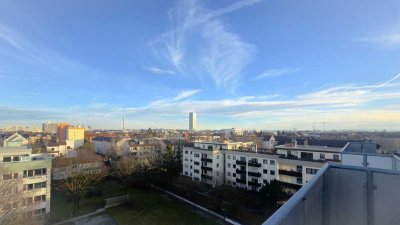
(192, 121)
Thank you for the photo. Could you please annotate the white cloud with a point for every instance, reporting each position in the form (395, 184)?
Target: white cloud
(389, 40)
(275, 73)
(186, 94)
(216, 52)
(157, 70)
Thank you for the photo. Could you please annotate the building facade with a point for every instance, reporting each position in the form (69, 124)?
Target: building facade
(29, 174)
(240, 165)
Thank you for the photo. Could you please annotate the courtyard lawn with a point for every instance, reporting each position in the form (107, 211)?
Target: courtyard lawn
(156, 208)
(62, 205)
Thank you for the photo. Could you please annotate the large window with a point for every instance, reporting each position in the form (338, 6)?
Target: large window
(7, 176)
(311, 171)
(305, 155)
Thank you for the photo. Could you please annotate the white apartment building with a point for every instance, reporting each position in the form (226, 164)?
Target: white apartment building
(246, 168)
(29, 176)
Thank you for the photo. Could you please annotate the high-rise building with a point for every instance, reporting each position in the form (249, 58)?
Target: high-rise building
(192, 121)
(49, 127)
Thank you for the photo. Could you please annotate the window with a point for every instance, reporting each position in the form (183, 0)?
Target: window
(186, 151)
(272, 172)
(196, 163)
(38, 172)
(299, 180)
(229, 156)
(40, 198)
(229, 165)
(242, 158)
(265, 161)
(234, 165)
(7, 176)
(186, 173)
(272, 162)
(233, 174)
(234, 157)
(336, 157)
(305, 155)
(265, 171)
(191, 167)
(322, 156)
(196, 171)
(217, 165)
(186, 159)
(15, 176)
(196, 155)
(299, 168)
(311, 171)
(229, 174)
(16, 159)
(6, 159)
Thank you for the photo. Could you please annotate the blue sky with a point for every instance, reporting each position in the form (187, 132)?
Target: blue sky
(264, 64)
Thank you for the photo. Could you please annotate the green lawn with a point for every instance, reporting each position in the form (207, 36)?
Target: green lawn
(155, 208)
(62, 205)
(148, 207)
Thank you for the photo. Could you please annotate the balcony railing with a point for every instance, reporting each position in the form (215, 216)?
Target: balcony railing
(240, 181)
(345, 195)
(254, 174)
(254, 183)
(254, 164)
(240, 162)
(240, 171)
(206, 176)
(206, 168)
(291, 173)
(206, 160)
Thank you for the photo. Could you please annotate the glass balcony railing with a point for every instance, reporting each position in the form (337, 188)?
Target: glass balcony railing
(343, 195)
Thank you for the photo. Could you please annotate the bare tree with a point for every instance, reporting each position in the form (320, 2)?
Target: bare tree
(124, 169)
(80, 173)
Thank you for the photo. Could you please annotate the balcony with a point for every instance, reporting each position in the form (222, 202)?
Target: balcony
(206, 168)
(240, 181)
(206, 160)
(254, 164)
(290, 173)
(345, 195)
(239, 162)
(254, 174)
(254, 183)
(206, 176)
(239, 171)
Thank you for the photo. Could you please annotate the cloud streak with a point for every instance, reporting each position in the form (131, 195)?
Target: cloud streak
(217, 53)
(275, 73)
(157, 70)
(186, 94)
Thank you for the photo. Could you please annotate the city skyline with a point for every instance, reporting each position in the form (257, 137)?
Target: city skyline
(246, 64)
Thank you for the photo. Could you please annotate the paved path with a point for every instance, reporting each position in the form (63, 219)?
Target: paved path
(99, 217)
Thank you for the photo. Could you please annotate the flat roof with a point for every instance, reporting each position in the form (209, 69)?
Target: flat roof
(312, 148)
(14, 150)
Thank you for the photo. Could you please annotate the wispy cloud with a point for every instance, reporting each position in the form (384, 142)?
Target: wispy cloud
(157, 70)
(276, 73)
(389, 40)
(186, 94)
(216, 52)
(328, 100)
